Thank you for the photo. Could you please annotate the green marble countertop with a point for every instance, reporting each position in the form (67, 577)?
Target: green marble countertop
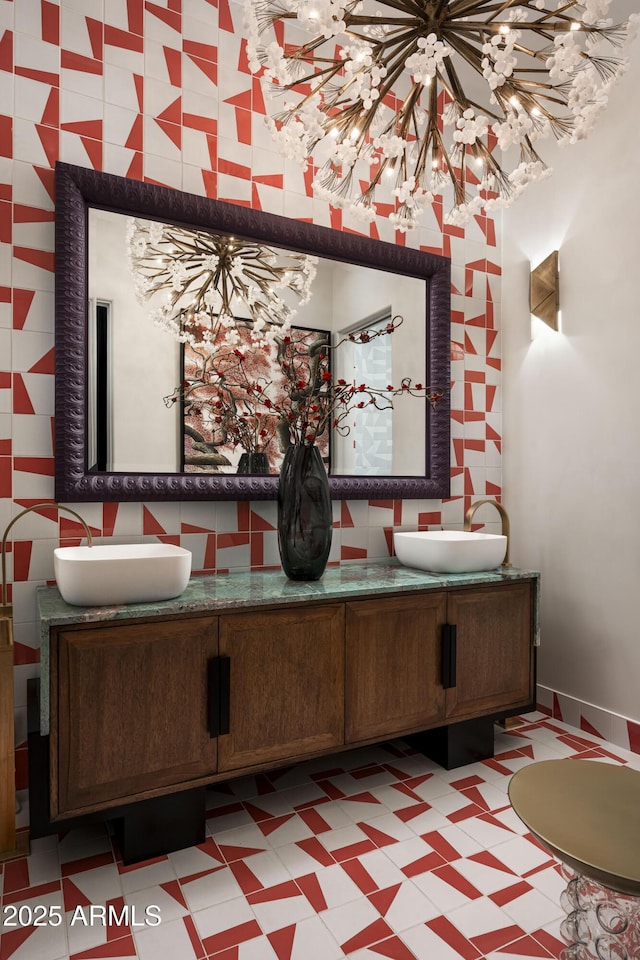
(228, 591)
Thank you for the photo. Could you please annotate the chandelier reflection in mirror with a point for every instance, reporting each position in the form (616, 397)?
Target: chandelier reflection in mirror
(198, 283)
(409, 99)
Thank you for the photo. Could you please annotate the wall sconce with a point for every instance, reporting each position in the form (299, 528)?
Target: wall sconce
(544, 291)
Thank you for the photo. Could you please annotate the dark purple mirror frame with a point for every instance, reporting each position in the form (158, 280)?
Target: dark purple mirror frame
(78, 189)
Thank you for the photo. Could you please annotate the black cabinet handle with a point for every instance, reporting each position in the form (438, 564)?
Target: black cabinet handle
(449, 636)
(219, 693)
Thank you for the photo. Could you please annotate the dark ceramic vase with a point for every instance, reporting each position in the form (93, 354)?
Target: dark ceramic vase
(304, 513)
(253, 463)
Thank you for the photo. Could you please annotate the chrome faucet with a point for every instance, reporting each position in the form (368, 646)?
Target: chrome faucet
(504, 516)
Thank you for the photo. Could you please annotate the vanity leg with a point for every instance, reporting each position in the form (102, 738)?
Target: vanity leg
(38, 760)
(161, 825)
(457, 744)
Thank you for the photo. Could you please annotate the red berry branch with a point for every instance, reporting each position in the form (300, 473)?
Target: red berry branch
(237, 393)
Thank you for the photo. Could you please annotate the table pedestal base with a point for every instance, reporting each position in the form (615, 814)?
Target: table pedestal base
(600, 923)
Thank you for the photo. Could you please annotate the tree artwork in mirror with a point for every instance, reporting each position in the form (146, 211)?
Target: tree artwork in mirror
(138, 267)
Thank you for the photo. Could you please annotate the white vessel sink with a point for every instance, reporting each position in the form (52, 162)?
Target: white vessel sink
(109, 574)
(450, 551)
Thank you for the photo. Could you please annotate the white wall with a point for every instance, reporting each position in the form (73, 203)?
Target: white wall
(572, 408)
(146, 358)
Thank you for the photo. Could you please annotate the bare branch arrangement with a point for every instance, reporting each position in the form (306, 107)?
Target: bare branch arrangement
(238, 402)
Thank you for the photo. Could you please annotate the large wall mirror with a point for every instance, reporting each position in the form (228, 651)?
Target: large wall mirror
(116, 436)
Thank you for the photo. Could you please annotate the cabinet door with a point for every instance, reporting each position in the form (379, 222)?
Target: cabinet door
(393, 682)
(286, 684)
(132, 711)
(494, 649)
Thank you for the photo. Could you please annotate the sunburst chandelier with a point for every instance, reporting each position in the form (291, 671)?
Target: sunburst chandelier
(198, 283)
(402, 100)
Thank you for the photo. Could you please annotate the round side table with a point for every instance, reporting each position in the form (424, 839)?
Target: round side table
(587, 814)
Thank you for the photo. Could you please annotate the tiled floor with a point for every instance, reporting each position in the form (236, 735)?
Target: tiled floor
(376, 853)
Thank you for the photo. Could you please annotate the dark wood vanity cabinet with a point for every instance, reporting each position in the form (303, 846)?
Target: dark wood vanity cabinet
(393, 670)
(129, 710)
(144, 708)
(286, 683)
(136, 707)
(493, 650)
(416, 662)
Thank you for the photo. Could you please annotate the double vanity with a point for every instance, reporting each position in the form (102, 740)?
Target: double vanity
(140, 706)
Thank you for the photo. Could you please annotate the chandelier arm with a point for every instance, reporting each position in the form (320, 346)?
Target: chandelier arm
(331, 73)
(407, 110)
(200, 294)
(504, 6)
(441, 6)
(175, 294)
(261, 282)
(396, 64)
(354, 112)
(539, 90)
(527, 150)
(468, 52)
(269, 271)
(420, 163)
(377, 177)
(367, 21)
(466, 48)
(560, 12)
(384, 47)
(538, 27)
(436, 140)
(224, 295)
(455, 88)
(308, 59)
(403, 5)
(186, 247)
(424, 141)
(464, 8)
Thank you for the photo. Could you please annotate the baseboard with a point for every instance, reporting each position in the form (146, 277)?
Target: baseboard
(618, 730)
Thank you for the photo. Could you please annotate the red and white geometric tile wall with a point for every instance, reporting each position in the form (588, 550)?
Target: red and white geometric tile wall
(161, 91)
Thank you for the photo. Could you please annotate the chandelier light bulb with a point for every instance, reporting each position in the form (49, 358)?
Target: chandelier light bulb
(398, 79)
